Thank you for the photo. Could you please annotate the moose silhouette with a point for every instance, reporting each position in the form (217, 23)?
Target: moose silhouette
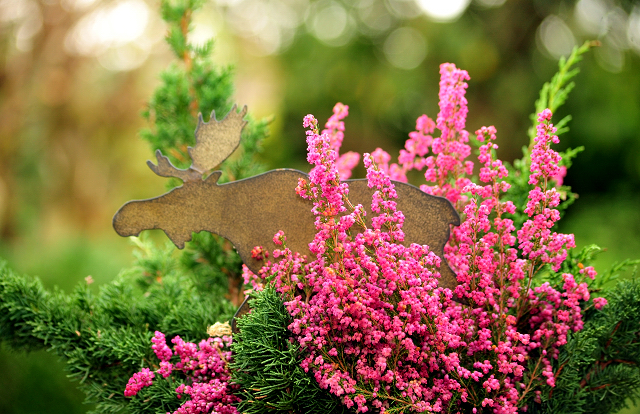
(249, 212)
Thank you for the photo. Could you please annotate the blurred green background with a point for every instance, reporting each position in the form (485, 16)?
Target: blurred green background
(75, 75)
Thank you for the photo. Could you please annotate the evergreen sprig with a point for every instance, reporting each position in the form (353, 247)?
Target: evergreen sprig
(552, 95)
(190, 86)
(267, 364)
(599, 367)
(106, 337)
(555, 92)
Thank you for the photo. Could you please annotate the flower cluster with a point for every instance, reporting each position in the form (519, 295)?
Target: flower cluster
(334, 128)
(205, 367)
(446, 168)
(370, 315)
(138, 381)
(376, 328)
(514, 323)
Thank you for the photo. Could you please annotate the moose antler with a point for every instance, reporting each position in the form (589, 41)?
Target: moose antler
(215, 141)
(166, 169)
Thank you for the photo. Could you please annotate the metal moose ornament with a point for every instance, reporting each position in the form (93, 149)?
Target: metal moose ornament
(249, 212)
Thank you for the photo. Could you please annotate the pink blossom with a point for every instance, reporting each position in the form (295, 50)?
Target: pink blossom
(278, 239)
(138, 381)
(162, 351)
(375, 327)
(346, 163)
(599, 303)
(205, 368)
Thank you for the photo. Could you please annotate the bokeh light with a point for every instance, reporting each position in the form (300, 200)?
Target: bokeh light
(556, 37)
(490, 3)
(269, 25)
(330, 22)
(26, 15)
(405, 48)
(590, 15)
(633, 32)
(443, 11)
(374, 18)
(115, 34)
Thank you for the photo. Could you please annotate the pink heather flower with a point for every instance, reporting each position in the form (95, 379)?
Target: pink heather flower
(559, 177)
(310, 122)
(279, 238)
(214, 396)
(205, 367)
(447, 167)
(259, 253)
(535, 239)
(346, 163)
(415, 148)
(382, 158)
(589, 271)
(251, 278)
(166, 368)
(453, 104)
(365, 294)
(139, 380)
(334, 127)
(373, 305)
(162, 351)
(425, 126)
(544, 161)
(599, 303)
(484, 253)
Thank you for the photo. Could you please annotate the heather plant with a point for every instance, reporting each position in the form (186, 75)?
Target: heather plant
(378, 332)
(209, 359)
(367, 321)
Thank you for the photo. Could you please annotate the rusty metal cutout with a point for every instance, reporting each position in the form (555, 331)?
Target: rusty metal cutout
(249, 212)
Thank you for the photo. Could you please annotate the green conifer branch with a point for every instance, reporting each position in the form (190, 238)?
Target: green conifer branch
(601, 363)
(552, 95)
(555, 92)
(194, 85)
(191, 86)
(267, 365)
(106, 337)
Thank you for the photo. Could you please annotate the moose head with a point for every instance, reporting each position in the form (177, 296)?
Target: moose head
(249, 212)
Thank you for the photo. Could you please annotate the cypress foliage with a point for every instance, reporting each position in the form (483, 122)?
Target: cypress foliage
(194, 85)
(600, 365)
(191, 86)
(267, 364)
(106, 337)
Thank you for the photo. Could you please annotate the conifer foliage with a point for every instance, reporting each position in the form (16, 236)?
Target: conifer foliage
(267, 364)
(105, 337)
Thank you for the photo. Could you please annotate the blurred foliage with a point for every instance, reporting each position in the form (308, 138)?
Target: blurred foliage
(70, 155)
